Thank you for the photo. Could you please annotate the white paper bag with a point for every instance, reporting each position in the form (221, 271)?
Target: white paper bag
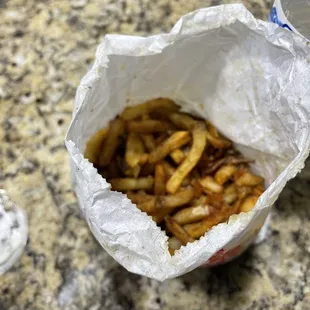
(248, 77)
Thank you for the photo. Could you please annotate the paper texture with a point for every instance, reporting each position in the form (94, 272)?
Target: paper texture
(249, 77)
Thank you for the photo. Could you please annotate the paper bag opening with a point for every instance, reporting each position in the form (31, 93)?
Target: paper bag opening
(249, 78)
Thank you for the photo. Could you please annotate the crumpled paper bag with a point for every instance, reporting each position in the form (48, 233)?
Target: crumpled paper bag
(248, 77)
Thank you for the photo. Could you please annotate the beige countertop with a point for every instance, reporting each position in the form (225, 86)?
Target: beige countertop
(46, 47)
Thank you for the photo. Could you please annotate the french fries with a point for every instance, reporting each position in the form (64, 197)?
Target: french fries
(248, 179)
(111, 142)
(174, 244)
(197, 230)
(215, 139)
(177, 155)
(176, 168)
(248, 204)
(149, 142)
(243, 192)
(258, 190)
(210, 185)
(199, 144)
(216, 200)
(148, 206)
(139, 197)
(182, 121)
(93, 146)
(161, 138)
(175, 141)
(169, 169)
(178, 231)
(131, 172)
(193, 214)
(197, 187)
(230, 194)
(182, 197)
(201, 200)
(159, 215)
(148, 126)
(224, 174)
(147, 107)
(210, 166)
(130, 184)
(135, 154)
(160, 179)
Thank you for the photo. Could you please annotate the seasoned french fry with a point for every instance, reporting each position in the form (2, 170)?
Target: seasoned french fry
(144, 159)
(248, 204)
(162, 114)
(216, 200)
(173, 245)
(185, 182)
(215, 139)
(125, 169)
(258, 190)
(130, 184)
(132, 172)
(198, 146)
(149, 142)
(196, 230)
(134, 150)
(197, 187)
(147, 107)
(238, 160)
(111, 142)
(147, 206)
(139, 197)
(193, 214)
(202, 200)
(93, 146)
(243, 192)
(161, 138)
(175, 141)
(145, 117)
(230, 194)
(240, 172)
(177, 155)
(216, 142)
(159, 180)
(213, 166)
(224, 174)
(180, 198)
(248, 179)
(210, 185)
(183, 121)
(148, 126)
(159, 215)
(213, 131)
(178, 231)
(146, 203)
(169, 169)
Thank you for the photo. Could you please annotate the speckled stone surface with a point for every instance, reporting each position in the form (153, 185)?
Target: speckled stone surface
(46, 47)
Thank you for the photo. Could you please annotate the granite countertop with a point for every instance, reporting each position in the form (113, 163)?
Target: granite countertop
(46, 47)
